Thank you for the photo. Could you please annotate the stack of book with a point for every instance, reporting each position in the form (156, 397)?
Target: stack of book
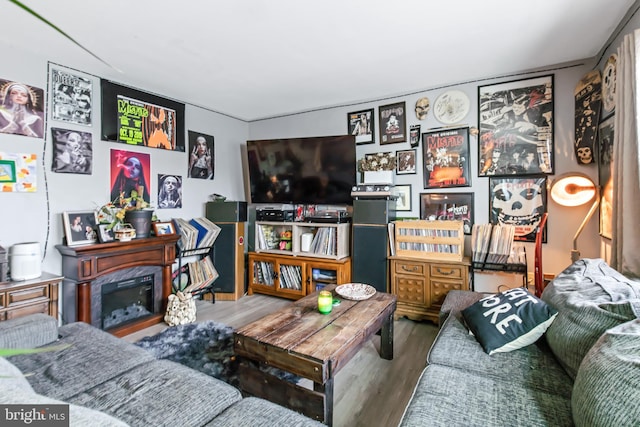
(196, 235)
(492, 243)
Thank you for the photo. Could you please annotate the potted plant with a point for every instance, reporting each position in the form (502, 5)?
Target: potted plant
(377, 168)
(125, 213)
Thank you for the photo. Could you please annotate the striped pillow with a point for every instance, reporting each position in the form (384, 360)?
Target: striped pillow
(590, 297)
(607, 387)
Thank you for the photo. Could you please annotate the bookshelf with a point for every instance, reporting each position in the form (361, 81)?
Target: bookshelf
(285, 238)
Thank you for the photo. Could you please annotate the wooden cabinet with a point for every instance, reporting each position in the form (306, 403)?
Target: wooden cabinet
(294, 276)
(21, 298)
(421, 285)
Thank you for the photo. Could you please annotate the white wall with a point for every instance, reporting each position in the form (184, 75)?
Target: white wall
(562, 222)
(38, 216)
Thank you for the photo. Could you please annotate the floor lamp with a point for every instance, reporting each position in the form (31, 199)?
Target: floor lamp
(575, 189)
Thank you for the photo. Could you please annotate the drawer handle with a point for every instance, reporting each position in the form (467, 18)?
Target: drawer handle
(405, 268)
(448, 273)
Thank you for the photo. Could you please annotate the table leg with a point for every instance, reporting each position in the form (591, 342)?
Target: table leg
(386, 338)
(327, 390)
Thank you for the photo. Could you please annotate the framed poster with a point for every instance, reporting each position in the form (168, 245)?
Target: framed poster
(393, 123)
(448, 206)
(73, 151)
(519, 202)
(446, 158)
(406, 162)
(516, 127)
(80, 227)
(403, 202)
(361, 125)
(605, 142)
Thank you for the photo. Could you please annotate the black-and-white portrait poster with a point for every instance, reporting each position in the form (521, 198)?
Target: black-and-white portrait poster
(519, 202)
(72, 98)
(201, 155)
(169, 191)
(73, 151)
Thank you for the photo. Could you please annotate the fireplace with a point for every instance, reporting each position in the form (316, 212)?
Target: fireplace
(126, 301)
(121, 287)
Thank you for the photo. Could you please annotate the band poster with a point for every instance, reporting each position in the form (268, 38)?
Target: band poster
(448, 206)
(142, 123)
(72, 98)
(519, 202)
(516, 127)
(446, 158)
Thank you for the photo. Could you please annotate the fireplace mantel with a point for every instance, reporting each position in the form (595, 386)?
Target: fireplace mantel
(83, 264)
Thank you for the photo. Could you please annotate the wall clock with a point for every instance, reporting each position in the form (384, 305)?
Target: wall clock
(451, 107)
(609, 84)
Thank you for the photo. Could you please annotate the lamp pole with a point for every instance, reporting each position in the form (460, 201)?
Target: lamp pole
(575, 253)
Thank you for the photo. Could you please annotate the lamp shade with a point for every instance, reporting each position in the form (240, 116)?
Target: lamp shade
(573, 189)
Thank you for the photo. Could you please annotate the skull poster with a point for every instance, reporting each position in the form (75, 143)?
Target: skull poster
(516, 128)
(588, 100)
(73, 151)
(130, 171)
(519, 202)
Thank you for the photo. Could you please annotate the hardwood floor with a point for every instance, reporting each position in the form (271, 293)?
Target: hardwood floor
(368, 391)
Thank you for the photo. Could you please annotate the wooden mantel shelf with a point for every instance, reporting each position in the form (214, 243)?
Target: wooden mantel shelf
(83, 264)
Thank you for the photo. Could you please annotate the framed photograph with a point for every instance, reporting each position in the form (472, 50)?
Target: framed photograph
(605, 142)
(519, 202)
(448, 206)
(393, 123)
(406, 162)
(403, 202)
(105, 234)
(414, 136)
(164, 228)
(446, 158)
(80, 227)
(516, 127)
(7, 171)
(361, 125)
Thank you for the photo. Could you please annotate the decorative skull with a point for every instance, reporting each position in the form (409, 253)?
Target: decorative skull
(519, 204)
(422, 108)
(585, 155)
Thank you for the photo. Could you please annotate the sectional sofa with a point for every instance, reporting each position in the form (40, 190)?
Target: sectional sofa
(584, 371)
(109, 382)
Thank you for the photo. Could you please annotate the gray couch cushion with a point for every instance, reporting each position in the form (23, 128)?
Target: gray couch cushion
(447, 396)
(607, 387)
(534, 366)
(152, 392)
(11, 377)
(590, 297)
(93, 357)
(30, 331)
(254, 412)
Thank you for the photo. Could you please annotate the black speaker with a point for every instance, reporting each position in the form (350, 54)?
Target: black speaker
(370, 242)
(226, 211)
(369, 256)
(229, 248)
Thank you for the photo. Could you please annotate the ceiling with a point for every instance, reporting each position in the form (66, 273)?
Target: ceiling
(254, 59)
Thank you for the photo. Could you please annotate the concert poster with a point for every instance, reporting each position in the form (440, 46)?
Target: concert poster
(393, 123)
(142, 123)
(448, 206)
(72, 98)
(129, 171)
(446, 158)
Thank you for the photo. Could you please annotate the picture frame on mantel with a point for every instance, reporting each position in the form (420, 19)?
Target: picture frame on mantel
(80, 227)
(393, 123)
(361, 124)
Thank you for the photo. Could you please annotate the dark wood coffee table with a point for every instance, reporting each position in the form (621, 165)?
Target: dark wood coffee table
(300, 340)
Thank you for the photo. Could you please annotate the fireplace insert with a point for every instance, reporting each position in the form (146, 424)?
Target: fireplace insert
(127, 300)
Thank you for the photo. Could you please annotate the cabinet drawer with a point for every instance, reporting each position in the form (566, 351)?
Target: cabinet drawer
(410, 289)
(446, 271)
(2, 301)
(406, 267)
(29, 294)
(440, 288)
(26, 310)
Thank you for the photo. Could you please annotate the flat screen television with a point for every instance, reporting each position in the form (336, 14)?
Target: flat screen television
(315, 170)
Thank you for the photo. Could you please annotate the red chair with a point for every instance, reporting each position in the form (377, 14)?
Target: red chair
(538, 277)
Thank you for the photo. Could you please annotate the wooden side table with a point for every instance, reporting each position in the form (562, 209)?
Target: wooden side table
(24, 297)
